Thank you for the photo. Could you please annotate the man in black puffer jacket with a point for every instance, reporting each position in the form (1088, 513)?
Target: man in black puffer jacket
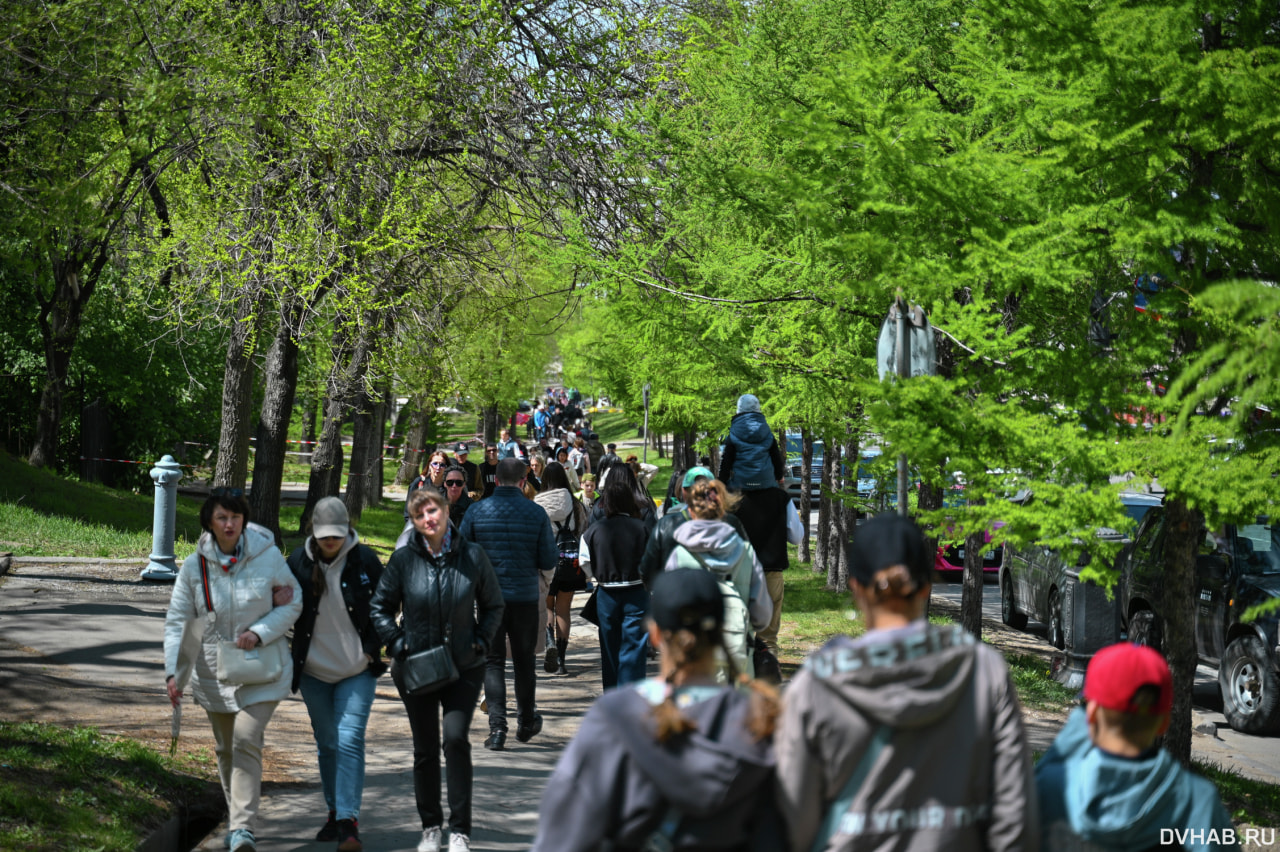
(516, 534)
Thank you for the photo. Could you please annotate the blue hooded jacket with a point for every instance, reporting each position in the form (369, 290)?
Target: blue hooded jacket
(752, 460)
(1119, 803)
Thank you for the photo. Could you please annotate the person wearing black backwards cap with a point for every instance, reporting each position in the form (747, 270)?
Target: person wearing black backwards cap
(475, 486)
(678, 761)
(909, 737)
(1105, 785)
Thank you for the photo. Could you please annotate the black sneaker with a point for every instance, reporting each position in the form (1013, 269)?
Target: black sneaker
(330, 830)
(496, 741)
(524, 733)
(349, 836)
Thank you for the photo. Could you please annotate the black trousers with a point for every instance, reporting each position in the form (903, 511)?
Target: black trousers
(458, 701)
(520, 625)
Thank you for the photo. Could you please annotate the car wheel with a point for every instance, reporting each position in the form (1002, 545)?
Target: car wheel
(1008, 612)
(1145, 629)
(1057, 635)
(1250, 688)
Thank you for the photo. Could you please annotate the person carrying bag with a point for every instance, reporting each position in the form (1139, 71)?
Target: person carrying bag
(447, 593)
(232, 603)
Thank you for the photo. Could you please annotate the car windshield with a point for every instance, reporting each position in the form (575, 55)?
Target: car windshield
(1259, 548)
(1136, 511)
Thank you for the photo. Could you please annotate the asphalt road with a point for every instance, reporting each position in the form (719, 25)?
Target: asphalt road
(1252, 754)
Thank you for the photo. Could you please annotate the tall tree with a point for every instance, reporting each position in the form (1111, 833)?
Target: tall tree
(92, 107)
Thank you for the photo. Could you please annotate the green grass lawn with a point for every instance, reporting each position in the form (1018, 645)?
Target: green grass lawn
(76, 789)
(42, 514)
(811, 615)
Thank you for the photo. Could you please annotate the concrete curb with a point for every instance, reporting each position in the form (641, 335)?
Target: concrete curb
(65, 560)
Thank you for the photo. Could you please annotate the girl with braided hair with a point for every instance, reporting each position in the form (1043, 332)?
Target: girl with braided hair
(678, 761)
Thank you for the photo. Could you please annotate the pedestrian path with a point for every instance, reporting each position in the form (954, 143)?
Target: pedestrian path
(507, 785)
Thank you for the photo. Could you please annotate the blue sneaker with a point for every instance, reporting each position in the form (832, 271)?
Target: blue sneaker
(242, 840)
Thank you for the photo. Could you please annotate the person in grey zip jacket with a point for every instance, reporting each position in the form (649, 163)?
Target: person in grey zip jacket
(676, 762)
(911, 736)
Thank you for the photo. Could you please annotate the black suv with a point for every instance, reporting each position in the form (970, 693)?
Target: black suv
(1035, 580)
(1238, 566)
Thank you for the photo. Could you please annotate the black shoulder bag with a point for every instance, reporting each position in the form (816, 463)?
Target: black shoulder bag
(433, 669)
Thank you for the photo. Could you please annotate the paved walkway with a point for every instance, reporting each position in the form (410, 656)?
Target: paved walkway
(83, 643)
(90, 637)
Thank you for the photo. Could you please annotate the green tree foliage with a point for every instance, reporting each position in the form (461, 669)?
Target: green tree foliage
(1014, 168)
(91, 111)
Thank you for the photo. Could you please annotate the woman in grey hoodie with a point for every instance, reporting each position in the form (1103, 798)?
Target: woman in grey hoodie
(909, 737)
(708, 542)
(675, 762)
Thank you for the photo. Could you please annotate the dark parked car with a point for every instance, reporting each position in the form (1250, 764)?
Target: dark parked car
(1036, 580)
(1237, 566)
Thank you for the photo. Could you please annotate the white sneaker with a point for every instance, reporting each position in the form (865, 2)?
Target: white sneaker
(459, 842)
(430, 841)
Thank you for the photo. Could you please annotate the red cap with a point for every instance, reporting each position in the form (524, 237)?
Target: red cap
(1117, 673)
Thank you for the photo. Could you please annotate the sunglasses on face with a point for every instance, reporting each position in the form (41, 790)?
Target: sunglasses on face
(437, 464)
(453, 483)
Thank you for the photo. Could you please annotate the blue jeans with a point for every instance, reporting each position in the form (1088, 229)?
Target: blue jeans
(623, 638)
(339, 713)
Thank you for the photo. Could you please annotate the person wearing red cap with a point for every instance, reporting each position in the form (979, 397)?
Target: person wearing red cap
(1104, 784)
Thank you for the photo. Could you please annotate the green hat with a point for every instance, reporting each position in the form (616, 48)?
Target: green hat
(695, 473)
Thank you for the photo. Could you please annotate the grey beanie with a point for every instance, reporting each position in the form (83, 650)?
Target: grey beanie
(748, 402)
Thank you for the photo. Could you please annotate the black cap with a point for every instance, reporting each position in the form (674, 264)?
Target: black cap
(461, 448)
(687, 599)
(887, 540)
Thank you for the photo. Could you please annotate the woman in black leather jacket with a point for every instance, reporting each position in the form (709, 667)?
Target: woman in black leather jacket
(445, 586)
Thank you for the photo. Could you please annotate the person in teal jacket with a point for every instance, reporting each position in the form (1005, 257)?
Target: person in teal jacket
(1105, 785)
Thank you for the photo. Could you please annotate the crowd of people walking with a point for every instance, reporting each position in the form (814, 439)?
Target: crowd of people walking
(907, 737)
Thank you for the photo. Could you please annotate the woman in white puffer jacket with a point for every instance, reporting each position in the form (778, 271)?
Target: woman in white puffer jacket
(255, 599)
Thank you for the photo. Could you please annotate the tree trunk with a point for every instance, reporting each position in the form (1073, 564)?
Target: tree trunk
(491, 424)
(60, 320)
(848, 507)
(363, 457)
(822, 554)
(1184, 533)
(95, 441)
(971, 593)
(232, 468)
(346, 379)
(411, 459)
(326, 461)
(835, 518)
(309, 403)
(806, 484)
(931, 499)
(272, 435)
